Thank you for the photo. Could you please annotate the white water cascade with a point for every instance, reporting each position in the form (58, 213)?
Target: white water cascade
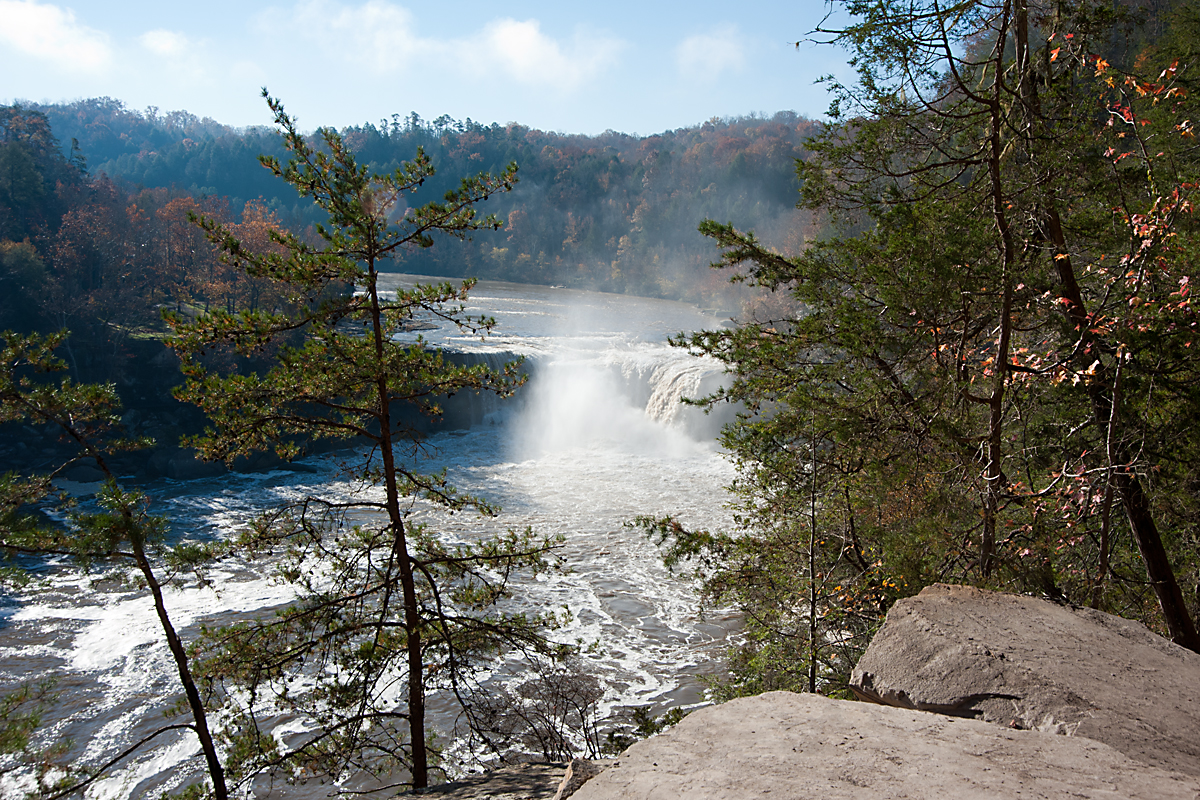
(596, 437)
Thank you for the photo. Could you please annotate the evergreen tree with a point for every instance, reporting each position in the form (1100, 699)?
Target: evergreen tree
(387, 611)
(35, 177)
(121, 531)
(996, 338)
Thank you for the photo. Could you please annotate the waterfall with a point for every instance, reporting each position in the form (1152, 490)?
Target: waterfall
(595, 437)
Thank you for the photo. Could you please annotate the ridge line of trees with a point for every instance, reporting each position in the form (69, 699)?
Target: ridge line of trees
(611, 212)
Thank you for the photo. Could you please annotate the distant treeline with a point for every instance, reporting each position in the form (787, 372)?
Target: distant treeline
(611, 212)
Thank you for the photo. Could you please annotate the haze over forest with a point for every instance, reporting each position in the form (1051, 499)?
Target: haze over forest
(612, 212)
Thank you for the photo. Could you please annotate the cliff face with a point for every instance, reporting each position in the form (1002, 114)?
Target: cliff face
(145, 373)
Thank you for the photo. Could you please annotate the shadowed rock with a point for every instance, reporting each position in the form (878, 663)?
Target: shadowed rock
(534, 781)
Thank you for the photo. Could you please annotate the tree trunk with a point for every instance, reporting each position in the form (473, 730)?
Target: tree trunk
(199, 715)
(1105, 412)
(994, 474)
(1158, 567)
(1127, 483)
(215, 771)
(412, 611)
(812, 563)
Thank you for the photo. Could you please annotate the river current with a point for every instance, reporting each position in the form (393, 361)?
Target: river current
(598, 436)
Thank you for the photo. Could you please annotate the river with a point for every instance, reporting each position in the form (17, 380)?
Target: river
(597, 437)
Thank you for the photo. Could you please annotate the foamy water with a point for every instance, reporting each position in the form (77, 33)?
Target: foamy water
(597, 438)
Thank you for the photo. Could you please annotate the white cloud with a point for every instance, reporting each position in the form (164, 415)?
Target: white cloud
(376, 34)
(164, 43)
(529, 56)
(382, 37)
(52, 33)
(182, 58)
(707, 55)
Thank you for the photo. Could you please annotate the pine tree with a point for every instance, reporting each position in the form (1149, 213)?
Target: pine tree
(386, 610)
(121, 531)
(995, 332)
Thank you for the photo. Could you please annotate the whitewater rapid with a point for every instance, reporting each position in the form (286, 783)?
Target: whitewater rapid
(597, 437)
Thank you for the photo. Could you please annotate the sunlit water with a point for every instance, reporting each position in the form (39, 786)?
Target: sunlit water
(598, 437)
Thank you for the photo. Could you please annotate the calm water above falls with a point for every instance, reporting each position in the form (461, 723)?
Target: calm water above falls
(598, 437)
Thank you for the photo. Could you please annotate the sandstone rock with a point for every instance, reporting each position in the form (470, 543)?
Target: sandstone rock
(1031, 663)
(784, 746)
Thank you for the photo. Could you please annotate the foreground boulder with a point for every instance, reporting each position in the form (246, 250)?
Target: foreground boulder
(782, 745)
(1031, 663)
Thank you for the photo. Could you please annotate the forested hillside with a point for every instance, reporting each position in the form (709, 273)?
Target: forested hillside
(95, 198)
(612, 212)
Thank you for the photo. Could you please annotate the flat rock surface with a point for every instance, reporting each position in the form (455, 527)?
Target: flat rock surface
(782, 745)
(1033, 663)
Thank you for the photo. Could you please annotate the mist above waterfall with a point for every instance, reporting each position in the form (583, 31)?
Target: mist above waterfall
(575, 403)
(601, 371)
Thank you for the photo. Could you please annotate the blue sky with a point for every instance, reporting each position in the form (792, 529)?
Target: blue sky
(636, 67)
